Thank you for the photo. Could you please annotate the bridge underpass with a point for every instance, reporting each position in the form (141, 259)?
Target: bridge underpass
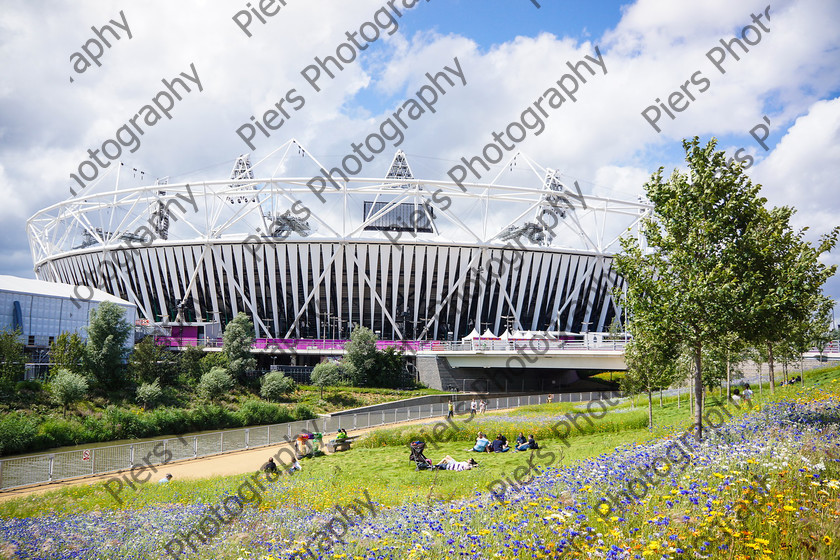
(520, 366)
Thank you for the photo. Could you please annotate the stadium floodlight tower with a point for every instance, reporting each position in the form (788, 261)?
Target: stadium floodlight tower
(297, 245)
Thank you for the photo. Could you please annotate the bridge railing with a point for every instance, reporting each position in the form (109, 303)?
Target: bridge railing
(534, 345)
(51, 467)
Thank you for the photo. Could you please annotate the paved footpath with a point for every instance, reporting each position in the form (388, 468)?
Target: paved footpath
(235, 462)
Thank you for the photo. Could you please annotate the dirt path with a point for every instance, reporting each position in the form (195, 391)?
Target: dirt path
(235, 462)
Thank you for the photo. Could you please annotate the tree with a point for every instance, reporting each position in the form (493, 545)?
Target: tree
(67, 352)
(107, 334)
(67, 387)
(190, 364)
(276, 385)
(12, 358)
(151, 362)
(696, 274)
(149, 393)
(212, 360)
(361, 357)
(651, 358)
(215, 383)
(390, 370)
(236, 345)
(787, 279)
(327, 374)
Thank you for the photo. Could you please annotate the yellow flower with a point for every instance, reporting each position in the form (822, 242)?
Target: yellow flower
(827, 540)
(789, 508)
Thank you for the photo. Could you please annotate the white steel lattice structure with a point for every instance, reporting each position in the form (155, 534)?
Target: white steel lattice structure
(406, 256)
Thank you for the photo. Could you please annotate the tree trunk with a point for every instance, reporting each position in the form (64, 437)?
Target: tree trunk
(760, 390)
(728, 377)
(784, 369)
(679, 392)
(650, 409)
(770, 366)
(690, 384)
(698, 390)
(660, 397)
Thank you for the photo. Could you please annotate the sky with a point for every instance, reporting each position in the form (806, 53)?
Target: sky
(670, 71)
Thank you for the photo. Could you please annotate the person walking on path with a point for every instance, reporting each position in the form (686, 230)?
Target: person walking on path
(473, 408)
(451, 410)
(482, 407)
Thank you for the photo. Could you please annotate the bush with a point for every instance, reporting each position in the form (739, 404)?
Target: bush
(33, 386)
(17, 433)
(149, 393)
(68, 387)
(255, 412)
(303, 412)
(275, 385)
(215, 383)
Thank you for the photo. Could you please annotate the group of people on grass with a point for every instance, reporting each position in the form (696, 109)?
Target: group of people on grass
(747, 396)
(500, 444)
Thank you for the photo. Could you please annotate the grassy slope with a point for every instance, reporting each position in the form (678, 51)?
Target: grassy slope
(383, 467)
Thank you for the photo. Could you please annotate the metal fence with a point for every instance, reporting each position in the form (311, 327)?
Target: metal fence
(52, 467)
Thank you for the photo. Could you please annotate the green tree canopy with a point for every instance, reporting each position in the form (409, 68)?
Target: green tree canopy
(709, 250)
(12, 358)
(361, 358)
(215, 383)
(276, 385)
(237, 340)
(327, 374)
(68, 352)
(150, 362)
(786, 278)
(107, 332)
(189, 364)
(67, 387)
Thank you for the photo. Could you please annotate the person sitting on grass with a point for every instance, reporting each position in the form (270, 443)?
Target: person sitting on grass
(450, 464)
(270, 466)
(481, 444)
(736, 396)
(499, 444)
(532, 443)
(165, 479)
(521, 443)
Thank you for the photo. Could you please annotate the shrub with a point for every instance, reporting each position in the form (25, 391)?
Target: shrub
(68, 387)
(33, 386)
(17, 433)
(275, 385)
(303, 412)
(215, 383)
(149, 393)
(254, 412)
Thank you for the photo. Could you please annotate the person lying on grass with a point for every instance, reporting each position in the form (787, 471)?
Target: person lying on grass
(450, 464)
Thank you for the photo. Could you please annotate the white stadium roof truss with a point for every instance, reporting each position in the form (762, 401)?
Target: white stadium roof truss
(357, 272)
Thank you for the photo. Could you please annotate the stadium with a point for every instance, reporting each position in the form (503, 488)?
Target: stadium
(409, 257)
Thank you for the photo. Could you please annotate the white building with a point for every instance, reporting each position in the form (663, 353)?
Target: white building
(44, 310)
